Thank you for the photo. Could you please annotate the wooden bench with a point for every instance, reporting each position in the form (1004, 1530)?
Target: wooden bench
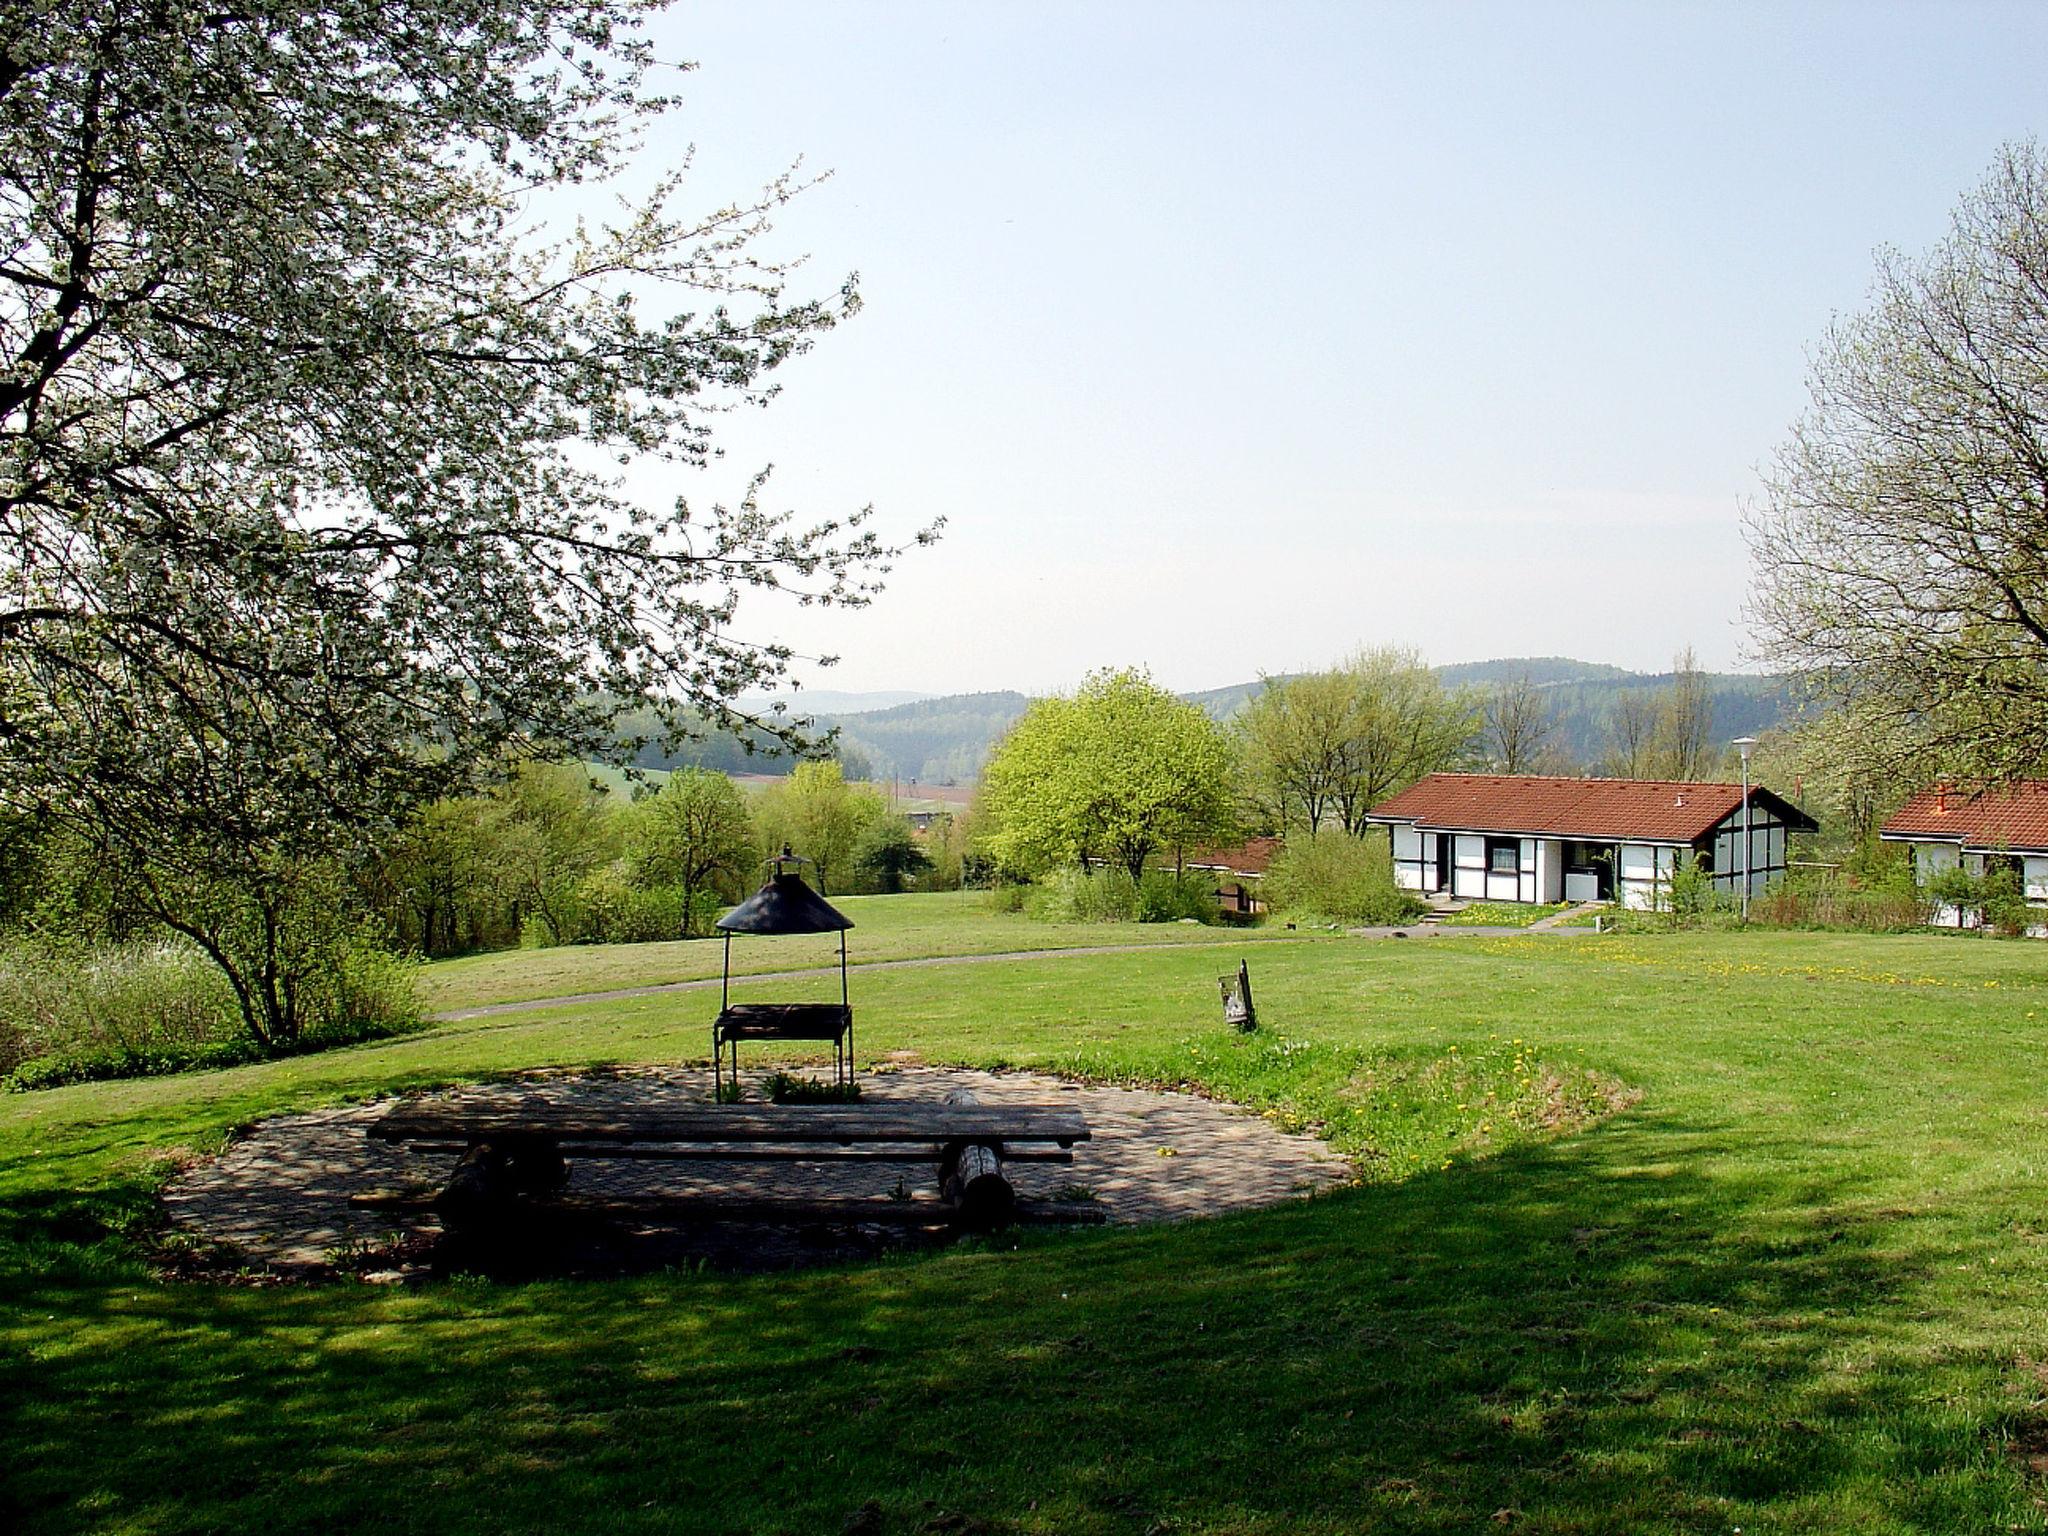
(519, 1151)
(781, 1021)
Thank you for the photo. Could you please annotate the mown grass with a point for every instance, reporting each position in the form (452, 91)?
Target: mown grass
(1799, 1286)
(885, 928)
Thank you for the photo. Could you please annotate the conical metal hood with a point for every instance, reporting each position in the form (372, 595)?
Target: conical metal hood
(785, 905)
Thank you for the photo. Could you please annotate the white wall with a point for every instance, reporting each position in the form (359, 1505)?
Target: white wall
(1642, 871)
(1468, 867)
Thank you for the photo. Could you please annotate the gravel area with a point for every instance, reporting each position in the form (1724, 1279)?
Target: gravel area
(276, 1201)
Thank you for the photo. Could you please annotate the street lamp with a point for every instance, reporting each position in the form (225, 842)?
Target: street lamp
(1742, 745)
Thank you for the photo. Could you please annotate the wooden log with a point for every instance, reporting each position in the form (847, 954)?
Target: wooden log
(479, 1192)
(971, 1175)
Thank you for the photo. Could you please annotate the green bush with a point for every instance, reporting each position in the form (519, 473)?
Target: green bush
(2005, 901)
(72, 1012)
(1007, 896)
(610, 909)
(1823, 899)
(1348, 879)
(60, 998)
(1084, 896)
(1166, 897)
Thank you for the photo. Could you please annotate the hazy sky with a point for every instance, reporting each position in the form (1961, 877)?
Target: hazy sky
(1229, 338)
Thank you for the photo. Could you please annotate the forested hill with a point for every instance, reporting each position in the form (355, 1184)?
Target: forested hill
(945, 740)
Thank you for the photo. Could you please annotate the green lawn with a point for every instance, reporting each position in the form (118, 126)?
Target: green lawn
(885, 928)
(1800, 1285)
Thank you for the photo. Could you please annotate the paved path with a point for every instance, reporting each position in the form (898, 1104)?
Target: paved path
(277, 1198)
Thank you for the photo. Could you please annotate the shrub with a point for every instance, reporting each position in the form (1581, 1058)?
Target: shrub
(73, 1012)
(1349, 879)
(1084, 896)
(2005, 901)
(1165, 897)
(1957, 887)
(1007, 896)
(72, 999)
(610, 909)
(1823, 900)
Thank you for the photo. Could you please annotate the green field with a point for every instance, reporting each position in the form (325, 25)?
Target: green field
(1799, 1284)
(885, 928)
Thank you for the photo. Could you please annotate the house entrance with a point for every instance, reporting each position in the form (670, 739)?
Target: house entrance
(1588, 871)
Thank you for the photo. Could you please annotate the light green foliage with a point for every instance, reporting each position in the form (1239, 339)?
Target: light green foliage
(1691, 894)
(1339, 877)
(693, 837)
(1323, 749)
(69, 998)
(1899, 551)
(74, 1012)
(559, 828)
(1072, 895)
(1996, 898)
(820, 816)
(448, 882)
(1119, 771)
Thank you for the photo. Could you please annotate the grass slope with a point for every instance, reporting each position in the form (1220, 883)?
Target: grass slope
(885, 928)
(1798, 1287)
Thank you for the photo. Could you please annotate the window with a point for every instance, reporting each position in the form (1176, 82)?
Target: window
(1503, 856)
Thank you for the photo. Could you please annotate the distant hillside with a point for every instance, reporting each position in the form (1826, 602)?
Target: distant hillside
(946, 740)
(935, 741)
(828, 701)
(1544, 670)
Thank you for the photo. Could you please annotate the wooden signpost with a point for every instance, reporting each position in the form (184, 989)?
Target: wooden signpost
(1237, 999)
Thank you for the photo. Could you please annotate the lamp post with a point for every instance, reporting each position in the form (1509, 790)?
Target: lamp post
(1742, 745)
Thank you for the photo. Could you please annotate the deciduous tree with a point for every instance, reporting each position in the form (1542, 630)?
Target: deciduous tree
(1519, 726)
(1901, 549)
(694, 835)
(1119, 770)
(1327, 747)
(821, 816)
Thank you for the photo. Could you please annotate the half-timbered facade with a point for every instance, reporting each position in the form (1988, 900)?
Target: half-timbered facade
(1976, 831)
(1524, 838)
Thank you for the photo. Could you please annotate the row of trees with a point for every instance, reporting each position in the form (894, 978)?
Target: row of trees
(551, 857)
(1121, 771)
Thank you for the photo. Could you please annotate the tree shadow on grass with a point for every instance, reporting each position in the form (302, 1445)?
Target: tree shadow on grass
(1626, 1331)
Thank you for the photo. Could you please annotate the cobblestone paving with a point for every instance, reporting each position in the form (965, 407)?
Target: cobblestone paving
(278, 1197)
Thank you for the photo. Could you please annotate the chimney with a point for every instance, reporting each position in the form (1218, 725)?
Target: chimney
(1679, 803)
(1941, 793)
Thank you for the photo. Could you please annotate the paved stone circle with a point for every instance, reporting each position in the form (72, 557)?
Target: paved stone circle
(277, 1199)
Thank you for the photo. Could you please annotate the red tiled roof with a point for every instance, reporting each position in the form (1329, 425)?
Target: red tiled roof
(1653, 810)
(2007, 816)
(1249, 858)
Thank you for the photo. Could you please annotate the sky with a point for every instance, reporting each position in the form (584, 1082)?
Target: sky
(1230, 338)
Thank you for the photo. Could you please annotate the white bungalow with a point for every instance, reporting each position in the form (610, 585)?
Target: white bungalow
(1497, 837)
(1976, 831)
